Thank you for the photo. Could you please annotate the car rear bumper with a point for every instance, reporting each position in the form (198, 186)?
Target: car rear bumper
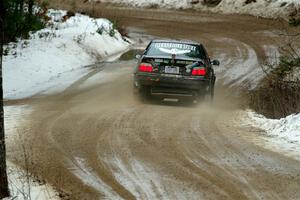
(166, 84)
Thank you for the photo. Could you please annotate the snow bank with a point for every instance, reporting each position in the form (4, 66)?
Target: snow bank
(284, 133)
(23, 187)
(177, 4)
(55, 56)
(261, 8)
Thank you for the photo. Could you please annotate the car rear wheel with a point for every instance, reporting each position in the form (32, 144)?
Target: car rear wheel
(211, 91)
(142, 92)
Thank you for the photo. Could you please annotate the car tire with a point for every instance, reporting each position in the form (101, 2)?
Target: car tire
(209, 96)
(143, 92)
(212, 88)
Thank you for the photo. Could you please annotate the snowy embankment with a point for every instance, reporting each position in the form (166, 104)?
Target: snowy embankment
(283, 134)
(54, 57)
(22, 186)
(259, 8)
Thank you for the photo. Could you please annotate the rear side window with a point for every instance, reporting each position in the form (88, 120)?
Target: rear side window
(179, 49)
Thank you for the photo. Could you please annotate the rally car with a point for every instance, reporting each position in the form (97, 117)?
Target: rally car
(175, 69)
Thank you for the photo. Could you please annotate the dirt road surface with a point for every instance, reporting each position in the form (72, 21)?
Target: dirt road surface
(96, 141)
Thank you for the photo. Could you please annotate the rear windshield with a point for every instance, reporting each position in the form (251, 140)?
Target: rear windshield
(179, 49)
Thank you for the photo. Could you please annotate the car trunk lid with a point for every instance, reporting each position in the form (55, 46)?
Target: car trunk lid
(176, 66)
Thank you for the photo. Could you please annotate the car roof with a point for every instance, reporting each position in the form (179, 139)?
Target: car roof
(176, 41)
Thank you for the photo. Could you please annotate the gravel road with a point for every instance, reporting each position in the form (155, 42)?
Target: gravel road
(95, 140)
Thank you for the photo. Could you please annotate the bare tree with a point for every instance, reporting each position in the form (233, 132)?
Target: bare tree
(4, 191)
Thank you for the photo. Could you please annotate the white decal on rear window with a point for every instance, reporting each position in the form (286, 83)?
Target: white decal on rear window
(174, 51)
(168, 45)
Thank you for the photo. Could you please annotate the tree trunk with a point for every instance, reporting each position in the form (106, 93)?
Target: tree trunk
(30, 7)
(4, 191)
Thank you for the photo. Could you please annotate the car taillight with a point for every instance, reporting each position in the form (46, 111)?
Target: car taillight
(199, 72)
(145, 67)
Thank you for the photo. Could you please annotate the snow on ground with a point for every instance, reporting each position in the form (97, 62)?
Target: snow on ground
(272, 54)
(242, 69)
(55, 56)
(262, 8)
(22, 186)
(282, 134)
(295, 75)
(80, 169)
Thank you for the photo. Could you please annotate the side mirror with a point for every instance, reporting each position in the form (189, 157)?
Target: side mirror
(215, 62)
(138, 56)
